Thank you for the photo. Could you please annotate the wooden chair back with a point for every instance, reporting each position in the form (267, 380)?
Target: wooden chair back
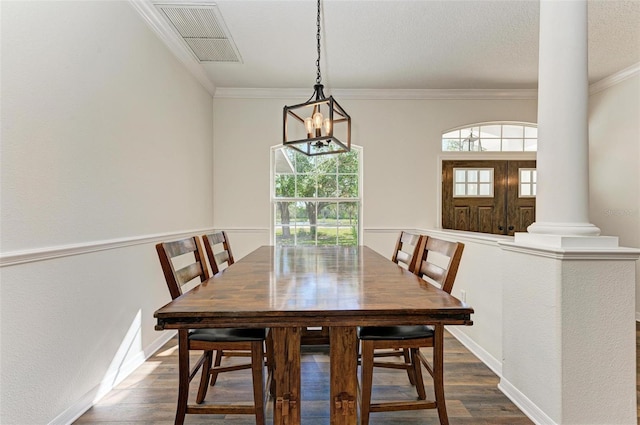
(406, 249)
(438, 260)
(218, 250)
(177, 277)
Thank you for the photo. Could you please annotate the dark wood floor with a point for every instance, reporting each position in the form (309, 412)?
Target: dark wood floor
(148, 396)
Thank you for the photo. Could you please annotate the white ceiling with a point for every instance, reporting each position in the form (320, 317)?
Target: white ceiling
(407, 44)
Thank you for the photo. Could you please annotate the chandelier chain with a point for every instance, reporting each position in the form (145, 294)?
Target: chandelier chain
(318, 76)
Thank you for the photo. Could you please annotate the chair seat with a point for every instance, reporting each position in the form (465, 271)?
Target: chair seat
(227, 335)
(398, 333)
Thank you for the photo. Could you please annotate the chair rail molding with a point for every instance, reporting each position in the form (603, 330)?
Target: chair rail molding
(13, 258)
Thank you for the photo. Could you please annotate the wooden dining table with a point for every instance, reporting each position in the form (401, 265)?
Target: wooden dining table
(288, 289)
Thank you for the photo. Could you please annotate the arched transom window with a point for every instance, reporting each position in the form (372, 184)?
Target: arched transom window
(492, 137)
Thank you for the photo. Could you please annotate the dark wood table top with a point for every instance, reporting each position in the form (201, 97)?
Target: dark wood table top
(312, 286)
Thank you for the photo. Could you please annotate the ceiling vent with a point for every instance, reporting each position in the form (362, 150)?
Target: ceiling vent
(203, 30)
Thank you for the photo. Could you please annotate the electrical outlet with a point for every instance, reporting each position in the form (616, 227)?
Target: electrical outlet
(463, 296)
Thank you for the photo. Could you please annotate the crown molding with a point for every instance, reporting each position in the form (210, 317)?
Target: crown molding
(152, 17)
(378, 94)
(614, 79)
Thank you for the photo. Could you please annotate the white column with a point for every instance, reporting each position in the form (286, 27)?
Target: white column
(562, 202)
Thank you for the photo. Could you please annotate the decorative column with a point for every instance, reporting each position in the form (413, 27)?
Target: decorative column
(568, 295)
(562, 202)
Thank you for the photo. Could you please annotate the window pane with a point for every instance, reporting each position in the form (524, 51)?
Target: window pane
(466, 132)
(485, 175)
(525, 176)
(531, 132)
(452, 145)
(455, 134)
(512, 145)
(348, 214)
(284, 236)
(285, 186)
(533, 189)
(460, 176)
(472, 175)
(512, 131)
(472, 189)
(305, 186)
(491, 145)
(327, 235)
(303, 163)
(460, 189)
(327, 164)
(348, 186)
(525, 190)
(534, 174)
(348, 162)
(485, 189)
(490, 131)
(305, 235)
(327, 185)
(285, 213)
(348, 236)
(530, 145)
(327, 213)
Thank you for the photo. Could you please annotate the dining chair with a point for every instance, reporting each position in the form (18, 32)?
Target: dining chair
(178, 272)
(437, 263)
(406, 247)
(405, 255)
(218, 250)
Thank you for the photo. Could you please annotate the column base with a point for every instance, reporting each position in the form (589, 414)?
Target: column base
(564, 229)
(565, 241)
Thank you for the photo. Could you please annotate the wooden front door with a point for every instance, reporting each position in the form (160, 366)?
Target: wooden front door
(502, 210)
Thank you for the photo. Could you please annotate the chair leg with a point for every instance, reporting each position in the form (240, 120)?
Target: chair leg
(183, 376)
(367, 381)
(204, 378)
(438, 373)
(417, 373)
(407, 360)
(257, 371)
(214, 373)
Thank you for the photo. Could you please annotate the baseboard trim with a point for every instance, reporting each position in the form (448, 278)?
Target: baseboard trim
(40, 254)
(527, 407)
(109, 382)
(492, 363)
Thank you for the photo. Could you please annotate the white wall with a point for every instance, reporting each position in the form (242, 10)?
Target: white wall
(401, 142)
(106, 148)
(614, 164)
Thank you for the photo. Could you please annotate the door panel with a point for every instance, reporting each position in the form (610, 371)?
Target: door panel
(521, 212)
(474, 214)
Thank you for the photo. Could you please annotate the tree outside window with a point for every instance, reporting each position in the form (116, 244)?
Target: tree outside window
(316, 199)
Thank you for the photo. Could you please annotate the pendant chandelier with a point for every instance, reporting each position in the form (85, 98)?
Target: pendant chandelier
(319, 126)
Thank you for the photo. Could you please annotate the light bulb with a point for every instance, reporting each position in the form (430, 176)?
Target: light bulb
(317, 120)
(308, 125)
(327, 126)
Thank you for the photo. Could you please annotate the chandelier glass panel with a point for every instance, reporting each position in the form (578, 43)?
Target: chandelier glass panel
(320, 126)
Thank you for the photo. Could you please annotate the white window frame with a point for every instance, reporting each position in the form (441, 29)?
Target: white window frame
(274, 199)
(467, 183)
(533, 183)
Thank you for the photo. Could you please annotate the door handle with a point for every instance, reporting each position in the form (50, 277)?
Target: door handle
(501, 228)
(511, 228)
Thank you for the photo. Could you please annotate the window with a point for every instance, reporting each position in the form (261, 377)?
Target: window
(528, 180)
(473, 182)
(316, 199)
(492, 137)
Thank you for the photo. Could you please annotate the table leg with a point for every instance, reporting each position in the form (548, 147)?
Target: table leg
(438, 373)
(286, 375)
(344, 375)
